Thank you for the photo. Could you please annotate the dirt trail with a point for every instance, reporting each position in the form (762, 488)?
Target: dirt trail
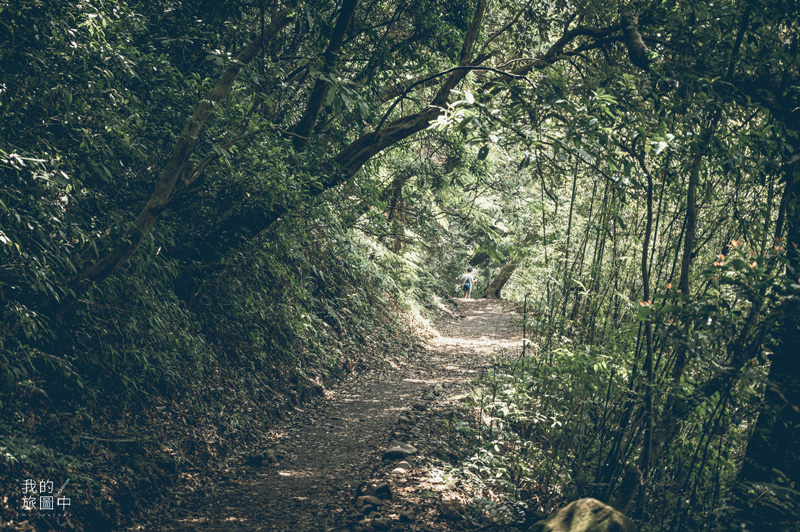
(337, 443)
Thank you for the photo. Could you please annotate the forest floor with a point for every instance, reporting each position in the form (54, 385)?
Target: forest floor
(309, 475)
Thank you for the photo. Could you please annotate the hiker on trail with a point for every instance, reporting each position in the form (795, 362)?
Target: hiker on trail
(467, 280)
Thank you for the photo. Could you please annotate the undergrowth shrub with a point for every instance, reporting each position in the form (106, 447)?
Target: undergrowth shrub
(567, 421)
(136, 382)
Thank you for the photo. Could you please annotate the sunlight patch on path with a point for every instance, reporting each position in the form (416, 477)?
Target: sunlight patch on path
(338, 441)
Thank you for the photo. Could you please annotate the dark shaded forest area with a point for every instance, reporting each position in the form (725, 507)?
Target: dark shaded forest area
(211, 211)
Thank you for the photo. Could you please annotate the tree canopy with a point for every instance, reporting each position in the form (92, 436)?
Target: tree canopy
(190, 185)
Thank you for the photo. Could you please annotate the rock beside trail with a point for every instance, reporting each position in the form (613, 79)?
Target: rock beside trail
(585, 515)
(398, 449)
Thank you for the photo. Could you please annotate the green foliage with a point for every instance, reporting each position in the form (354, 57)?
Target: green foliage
(277, 259)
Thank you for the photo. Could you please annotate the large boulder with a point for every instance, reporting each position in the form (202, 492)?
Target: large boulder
(585, 515)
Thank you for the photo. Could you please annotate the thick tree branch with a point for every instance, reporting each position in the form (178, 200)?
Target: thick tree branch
(438, 75)
(176, 166)
(251, 221)
(637, 51)
(302, 130)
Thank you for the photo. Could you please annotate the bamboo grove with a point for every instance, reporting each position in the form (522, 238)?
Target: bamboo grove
(190, 185)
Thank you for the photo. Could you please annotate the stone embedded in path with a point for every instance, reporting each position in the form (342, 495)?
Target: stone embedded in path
(398, 449)
(407, 516)
(368, 499)
(585, 515)
(400, 469)
(259, 458)
(383, 490)
(368, 503)
(363, 526)
(407, 420)
(281, 451)
(365, 488)
(438, 389)
(381, 523)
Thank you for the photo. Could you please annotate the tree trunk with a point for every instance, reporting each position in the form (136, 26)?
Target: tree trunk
(767, 494)
(494, 288)
(665, 428)
(395, 218)
(645, 461)
(773, 452)
(302, 130)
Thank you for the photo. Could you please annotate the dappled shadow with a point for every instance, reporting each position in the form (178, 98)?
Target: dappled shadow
(337, 442)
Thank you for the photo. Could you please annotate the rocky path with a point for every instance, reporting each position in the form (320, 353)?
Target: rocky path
(309, 477)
